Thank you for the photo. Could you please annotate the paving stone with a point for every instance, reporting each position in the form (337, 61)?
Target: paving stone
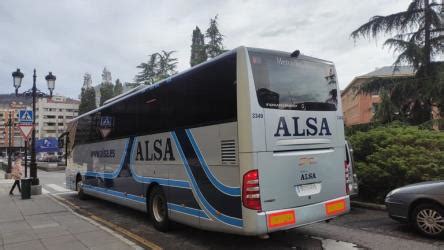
(49, 232)
(96, 238)
(114, 246)
(66, 218)
(40, 220)
(13, 226)
(81, 227)
(19, 236)
(33, 244)
(65, 242)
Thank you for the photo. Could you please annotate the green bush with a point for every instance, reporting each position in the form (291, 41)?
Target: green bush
(396, 155)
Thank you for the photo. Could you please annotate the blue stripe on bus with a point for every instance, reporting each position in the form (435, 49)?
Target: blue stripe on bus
(187, 210)
(115, 173)
(161, 181)
(115, 193)
(217, 215)
(232, 191)
(139, 199)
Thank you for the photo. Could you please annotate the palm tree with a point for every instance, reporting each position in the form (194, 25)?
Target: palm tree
(418, 39)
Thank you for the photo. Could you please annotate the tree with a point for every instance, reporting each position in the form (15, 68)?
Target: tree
(87, 100)
(418, 38)
(159, 66)
(167, 64)
(214, 47)
(118, 88)
(198, 52)
(106, 92)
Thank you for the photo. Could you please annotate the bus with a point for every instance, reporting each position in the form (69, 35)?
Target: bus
(250, 142)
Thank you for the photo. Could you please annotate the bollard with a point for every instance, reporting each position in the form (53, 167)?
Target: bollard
(26, 188)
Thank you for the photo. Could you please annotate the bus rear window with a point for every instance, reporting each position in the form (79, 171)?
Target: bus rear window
(283, 82)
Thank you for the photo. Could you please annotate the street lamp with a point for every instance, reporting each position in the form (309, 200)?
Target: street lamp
(9, 124)
(34, 92)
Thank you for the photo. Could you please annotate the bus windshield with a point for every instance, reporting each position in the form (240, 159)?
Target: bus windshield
(283, 82)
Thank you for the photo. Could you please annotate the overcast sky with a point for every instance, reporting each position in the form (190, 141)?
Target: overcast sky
(70, 37)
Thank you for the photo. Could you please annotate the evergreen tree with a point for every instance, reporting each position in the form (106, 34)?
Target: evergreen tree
(148, 74)
(214, 47)
(118, 88)
(198, 53)
(87, 100)
(167, 64)
(106, 92)
(159, 66)
(417, 39)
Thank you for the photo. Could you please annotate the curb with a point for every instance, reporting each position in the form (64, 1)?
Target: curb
(368, 205)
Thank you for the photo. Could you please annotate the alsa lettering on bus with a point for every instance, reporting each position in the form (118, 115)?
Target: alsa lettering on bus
(311, 127)
(155, 150)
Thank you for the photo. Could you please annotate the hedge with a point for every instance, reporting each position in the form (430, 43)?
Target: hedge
(396, 155)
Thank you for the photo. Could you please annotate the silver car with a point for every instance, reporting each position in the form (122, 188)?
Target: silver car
(421, 205)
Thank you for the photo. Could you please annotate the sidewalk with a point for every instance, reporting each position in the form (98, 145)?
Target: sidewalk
(43, 223)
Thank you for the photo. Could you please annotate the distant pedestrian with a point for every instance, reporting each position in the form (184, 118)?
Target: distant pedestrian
(16, 173)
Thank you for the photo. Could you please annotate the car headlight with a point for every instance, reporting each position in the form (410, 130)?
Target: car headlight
(392, 193)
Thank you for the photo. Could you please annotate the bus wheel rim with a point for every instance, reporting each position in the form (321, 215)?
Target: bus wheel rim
(430, 221)
(158, 209)
(79, 186)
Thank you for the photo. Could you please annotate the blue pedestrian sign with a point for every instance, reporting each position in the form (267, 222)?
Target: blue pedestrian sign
(25, 116)
(106, 122)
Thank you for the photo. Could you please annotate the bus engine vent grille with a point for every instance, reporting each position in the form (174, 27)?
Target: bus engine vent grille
(228, 151)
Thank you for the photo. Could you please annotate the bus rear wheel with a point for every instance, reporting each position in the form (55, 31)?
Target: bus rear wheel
(158, 209)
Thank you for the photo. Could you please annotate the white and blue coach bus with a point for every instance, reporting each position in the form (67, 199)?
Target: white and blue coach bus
(250, 142)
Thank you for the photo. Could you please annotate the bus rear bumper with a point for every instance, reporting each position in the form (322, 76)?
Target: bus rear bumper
(285, 219)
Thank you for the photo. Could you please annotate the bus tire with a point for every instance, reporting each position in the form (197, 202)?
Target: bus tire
(158, 209)
(80, 193)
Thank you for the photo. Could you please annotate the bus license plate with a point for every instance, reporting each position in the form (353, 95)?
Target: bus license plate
(308, 189)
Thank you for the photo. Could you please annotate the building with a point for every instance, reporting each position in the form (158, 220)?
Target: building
(359, 109)
(10, 104)
(53, 115)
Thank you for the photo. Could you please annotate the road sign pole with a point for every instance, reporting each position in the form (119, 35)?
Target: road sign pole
(26, 157)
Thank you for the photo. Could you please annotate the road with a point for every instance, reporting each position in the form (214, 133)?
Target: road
(362, 228)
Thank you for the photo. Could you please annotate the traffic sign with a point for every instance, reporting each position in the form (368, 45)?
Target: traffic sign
(25, 130)
(106, 122)
(25, 116)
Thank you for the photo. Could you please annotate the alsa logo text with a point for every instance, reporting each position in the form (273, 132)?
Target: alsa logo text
(311, 127)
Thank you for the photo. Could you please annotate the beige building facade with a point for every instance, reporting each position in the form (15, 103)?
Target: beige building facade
(53, 115)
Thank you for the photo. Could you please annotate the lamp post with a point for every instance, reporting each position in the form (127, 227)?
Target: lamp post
(9, 124)
(34, 92)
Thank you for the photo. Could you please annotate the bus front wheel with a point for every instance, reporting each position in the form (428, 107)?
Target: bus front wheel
(158, 209)
(79, 188)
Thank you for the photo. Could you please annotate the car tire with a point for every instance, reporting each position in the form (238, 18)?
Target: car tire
(428, 219)
(158, 209)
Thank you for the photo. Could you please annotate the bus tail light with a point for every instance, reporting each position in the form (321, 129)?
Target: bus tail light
(347, 177)
(251, 197)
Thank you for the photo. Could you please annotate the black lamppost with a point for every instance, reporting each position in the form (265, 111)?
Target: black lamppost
(9, 124)
(34, 92)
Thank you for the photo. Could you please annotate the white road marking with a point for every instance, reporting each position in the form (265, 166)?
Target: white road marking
(58, 188)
